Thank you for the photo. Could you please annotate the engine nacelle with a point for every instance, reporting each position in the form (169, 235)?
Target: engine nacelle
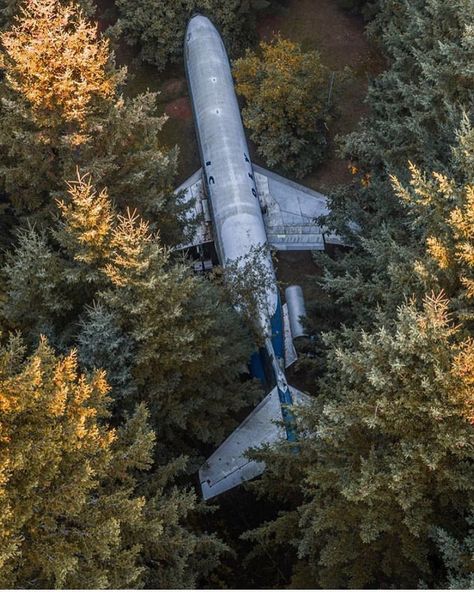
(296, 309)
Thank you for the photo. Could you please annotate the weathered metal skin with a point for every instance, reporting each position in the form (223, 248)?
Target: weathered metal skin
(237, 219)
(296, 310)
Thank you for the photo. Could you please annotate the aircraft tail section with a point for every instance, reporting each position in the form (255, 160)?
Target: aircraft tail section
(229, 466)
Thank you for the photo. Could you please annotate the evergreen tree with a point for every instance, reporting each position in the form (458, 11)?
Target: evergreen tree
(62, 109)
(415, 107)
(104, 282)
(416, 104)
(286, 110)
(35, 297)
(330, 532)
(189, 345)
(102, 343)
(429, 249)
(386, 455)
(458, 557)
(71, 513)
(11, 8)
(443, 208)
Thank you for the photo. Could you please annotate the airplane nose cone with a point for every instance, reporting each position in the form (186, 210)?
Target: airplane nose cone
(199, 25)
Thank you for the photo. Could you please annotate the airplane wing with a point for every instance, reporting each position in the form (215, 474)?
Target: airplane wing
(289, 212)
(198, 215)
(229, 466)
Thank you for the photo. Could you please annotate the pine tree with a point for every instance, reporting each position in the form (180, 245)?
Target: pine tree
(158, 30)
(101, 343)
(71, 513)
(386, 455)
(443, 207)
(416, 104)
(189, 345)
(62, 109)
(458, 557)
(12, 8)
(36, 299)
(419, 240)
(104, 282)
(285, 110)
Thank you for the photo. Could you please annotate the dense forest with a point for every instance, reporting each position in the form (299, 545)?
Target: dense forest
(121, 369)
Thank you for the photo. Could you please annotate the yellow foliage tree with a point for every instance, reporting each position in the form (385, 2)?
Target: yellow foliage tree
(72, 514)
(286, 93)
(444, 209)
(61, 108)
(55, 449)
(59, 91)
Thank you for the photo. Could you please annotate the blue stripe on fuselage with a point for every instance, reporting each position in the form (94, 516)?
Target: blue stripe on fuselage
(278, 342)
(259, 364)
(260, 369)
(277, 331)
(257, 367)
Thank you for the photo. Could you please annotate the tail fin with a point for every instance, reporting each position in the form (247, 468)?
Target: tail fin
(229, 466)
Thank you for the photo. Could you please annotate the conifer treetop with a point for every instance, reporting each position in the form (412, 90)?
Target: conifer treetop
(58, 89)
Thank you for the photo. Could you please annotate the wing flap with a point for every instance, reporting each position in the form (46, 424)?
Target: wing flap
(296, 237)
(290, 211)
(197, 216)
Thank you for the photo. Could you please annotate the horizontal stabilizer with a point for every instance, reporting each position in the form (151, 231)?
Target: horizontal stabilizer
(229, 466)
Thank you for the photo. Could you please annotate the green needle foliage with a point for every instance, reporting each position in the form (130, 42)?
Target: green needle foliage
(104, 282)
(380, 493)
(73, 510)
(386, 455)
(457, 558)
(158, 28)
(62, 108)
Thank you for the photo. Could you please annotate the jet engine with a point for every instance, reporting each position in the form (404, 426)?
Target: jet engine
(296, 311)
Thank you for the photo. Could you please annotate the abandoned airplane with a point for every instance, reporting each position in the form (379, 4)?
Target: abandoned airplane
(241, 207)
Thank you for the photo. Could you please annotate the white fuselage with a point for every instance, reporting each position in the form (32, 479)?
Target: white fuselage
(227, 169)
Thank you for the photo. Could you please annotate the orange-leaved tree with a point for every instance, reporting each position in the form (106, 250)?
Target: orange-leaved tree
(76, 510)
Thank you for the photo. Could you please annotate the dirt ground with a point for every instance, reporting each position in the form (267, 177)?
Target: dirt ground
(339, 38)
